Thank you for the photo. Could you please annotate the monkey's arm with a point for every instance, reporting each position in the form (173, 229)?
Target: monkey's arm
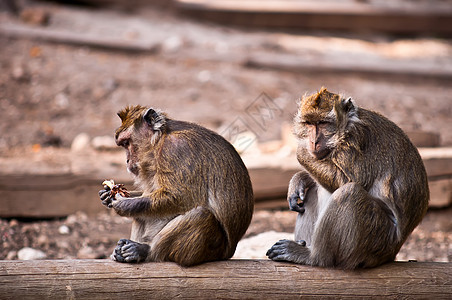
(300, 183)
(136, 193)
(107, 199)
(160, 202)
(325, 172)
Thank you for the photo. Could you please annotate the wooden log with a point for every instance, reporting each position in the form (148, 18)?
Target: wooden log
(49, 195)
(232, 279)
(440, 192)
(376, 67)
(78, 39)
(424, 138)
(437, 161)
(331, 15)
(57, 195)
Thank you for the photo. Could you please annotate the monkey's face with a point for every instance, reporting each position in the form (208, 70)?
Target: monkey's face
(318, 135)
(321, 120)
(124, 139)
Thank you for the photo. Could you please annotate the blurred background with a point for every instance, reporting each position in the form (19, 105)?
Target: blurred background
(236, 67)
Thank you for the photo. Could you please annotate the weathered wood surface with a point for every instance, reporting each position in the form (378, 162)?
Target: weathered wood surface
(322, 15)
(56, 195)
(79, 39)
(376, 67)
(233, 279)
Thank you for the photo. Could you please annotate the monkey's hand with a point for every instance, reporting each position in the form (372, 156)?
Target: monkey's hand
(296, 201)
(106, 197)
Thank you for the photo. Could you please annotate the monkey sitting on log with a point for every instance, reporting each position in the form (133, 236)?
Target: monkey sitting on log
(196, 201)
(362, 190)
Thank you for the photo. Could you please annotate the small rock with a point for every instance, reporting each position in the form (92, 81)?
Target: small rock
(104, 143)
(28, 253)
(86, 253)
(204, 76)
(61, 100)
(42, 240)
(11, 255)
(13, 223)
(172, 44)
(19, 73)
(63, 229)
(80, 142)
(35, 16)
(76, 218)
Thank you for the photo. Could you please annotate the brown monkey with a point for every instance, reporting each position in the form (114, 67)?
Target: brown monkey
(362, 191)
(197, 199)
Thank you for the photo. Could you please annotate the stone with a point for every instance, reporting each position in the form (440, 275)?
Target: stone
(28, 253)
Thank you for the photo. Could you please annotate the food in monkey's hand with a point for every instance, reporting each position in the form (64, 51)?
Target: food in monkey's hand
(115, 188)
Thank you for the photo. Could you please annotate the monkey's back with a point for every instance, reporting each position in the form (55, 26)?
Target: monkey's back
(203, 163)
(388, 157)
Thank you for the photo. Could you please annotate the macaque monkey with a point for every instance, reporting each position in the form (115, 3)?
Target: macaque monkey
(362, 190)
(196, 201)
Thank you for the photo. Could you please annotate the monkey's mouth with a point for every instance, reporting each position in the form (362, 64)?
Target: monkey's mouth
(321, 154)
(133, 169)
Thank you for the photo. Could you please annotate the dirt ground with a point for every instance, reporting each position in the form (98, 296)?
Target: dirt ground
(80, 236)
(52, 92)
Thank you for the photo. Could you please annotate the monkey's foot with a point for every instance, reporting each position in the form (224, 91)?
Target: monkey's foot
(286, 250)
(128, 251)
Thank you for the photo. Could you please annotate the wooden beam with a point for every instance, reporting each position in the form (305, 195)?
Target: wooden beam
(358, 17)
(232, 279)
(57, 195)
(78, 39)
(376, 67)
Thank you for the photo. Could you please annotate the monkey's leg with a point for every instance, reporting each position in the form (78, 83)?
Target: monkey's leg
(191, 239)
(304, 225)
(128, 251)
(356, 230)
(286, 250)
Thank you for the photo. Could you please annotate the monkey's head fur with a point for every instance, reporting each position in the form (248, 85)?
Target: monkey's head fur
(136, 116)
(140, 126)
(322, 121)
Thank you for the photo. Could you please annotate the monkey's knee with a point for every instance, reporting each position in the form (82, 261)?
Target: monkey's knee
(191, 239)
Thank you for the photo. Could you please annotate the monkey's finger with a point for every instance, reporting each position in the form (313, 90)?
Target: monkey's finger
(104, 195)
(301, 210)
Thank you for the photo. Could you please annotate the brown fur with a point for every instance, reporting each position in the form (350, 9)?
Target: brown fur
(197, 199)
(370, 186)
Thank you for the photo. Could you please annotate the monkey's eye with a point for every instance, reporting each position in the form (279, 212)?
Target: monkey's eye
(124, 143)
(323, 123)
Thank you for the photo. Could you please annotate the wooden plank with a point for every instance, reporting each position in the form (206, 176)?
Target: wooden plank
(437, 161)
(270, 183)
(322, 15)
(424, 138)
(49, 195)
(78, 39)
(232, 279)
(440, 193)
(56, 195)
(300, 64)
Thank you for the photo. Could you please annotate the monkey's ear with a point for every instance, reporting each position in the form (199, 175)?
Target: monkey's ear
(155, 119)
(349, 104)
